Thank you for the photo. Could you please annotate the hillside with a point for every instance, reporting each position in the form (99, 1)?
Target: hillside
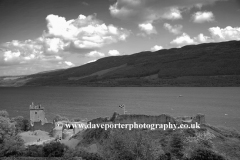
(210, 64)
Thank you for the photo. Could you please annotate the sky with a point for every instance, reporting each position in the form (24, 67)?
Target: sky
(43, 35)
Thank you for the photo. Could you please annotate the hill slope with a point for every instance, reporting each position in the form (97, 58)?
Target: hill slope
(210, 64)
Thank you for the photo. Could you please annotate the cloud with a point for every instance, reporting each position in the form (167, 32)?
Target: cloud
(70, 64)
(176, 29)
(201, 38)
(58, 57)
(9, 55)
(113, 53)
(17, 52)
(95, 54)
(84, 32)
(225, 34)
(172, 14)
(17, 62)
(148, 28)
(217, 35)
(184, 39)
(200, 17)
(91, 61)
(150, 10)
(85, 3)
(33, 51)
(156, 48)
(55, 45)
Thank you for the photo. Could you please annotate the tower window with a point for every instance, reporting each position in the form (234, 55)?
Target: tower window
(35, 112)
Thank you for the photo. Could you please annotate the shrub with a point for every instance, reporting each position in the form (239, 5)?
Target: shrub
(189, 132)
(34, 151)
(166, 156)
(10, 143)
(205, 154)
(21, 124)
(176, 145)
(54, 149)
(4, 113)
(79, 152)
(98, 134)
(134, 144)
(60, 118)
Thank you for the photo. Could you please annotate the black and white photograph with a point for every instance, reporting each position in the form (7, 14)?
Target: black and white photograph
(120, 79)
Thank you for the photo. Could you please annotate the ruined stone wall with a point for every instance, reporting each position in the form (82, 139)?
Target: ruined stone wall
(160, 119)
(67, 133)
(99, 120)
(46, 127)
(148, 119)
(57, 133)
(199, 118)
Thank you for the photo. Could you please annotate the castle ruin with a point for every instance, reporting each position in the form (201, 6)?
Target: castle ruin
(37, 114)
(58, 129)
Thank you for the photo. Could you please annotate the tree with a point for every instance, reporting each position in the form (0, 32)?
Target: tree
(205, 154)
(134, 144)
(176, 145)
(10, 143)
(81, 152)
(60, 118)
(34, 151)
(54, 149)
(26, 125)
(4, 113)
(19, 125)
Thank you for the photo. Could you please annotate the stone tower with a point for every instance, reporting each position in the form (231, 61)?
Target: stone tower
(37, 114)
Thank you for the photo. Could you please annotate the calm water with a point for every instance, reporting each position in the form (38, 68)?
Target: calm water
(220, 105)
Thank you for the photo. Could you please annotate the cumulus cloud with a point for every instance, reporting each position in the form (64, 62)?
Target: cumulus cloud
(201, 38)
(85, 3)
(148, 28)
(91, 61)
(151, 10)
(176, 29)
(17, 62)
(182, 40)
(113, 52)
(95, 54)
(200, 17)
(172, 14)
(156, 48)
(84, 32)
(9, 55)
(70, 64)
(58, 57)
(18, 52)
(217, 35)
(225, 34)
(55, 45)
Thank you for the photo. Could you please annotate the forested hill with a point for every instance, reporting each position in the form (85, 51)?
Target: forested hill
(209, 64)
